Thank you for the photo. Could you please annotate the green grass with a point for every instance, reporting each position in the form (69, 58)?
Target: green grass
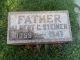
(69, 51)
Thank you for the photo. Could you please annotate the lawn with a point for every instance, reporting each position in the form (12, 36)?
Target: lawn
(68, 51)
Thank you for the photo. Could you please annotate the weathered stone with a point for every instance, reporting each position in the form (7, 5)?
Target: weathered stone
(38, 27)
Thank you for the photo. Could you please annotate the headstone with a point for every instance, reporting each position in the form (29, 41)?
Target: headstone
(38, 27)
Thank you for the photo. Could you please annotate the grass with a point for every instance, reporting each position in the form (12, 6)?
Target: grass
(69, 51)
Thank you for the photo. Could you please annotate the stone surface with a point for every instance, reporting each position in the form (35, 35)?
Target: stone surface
(38, 27)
